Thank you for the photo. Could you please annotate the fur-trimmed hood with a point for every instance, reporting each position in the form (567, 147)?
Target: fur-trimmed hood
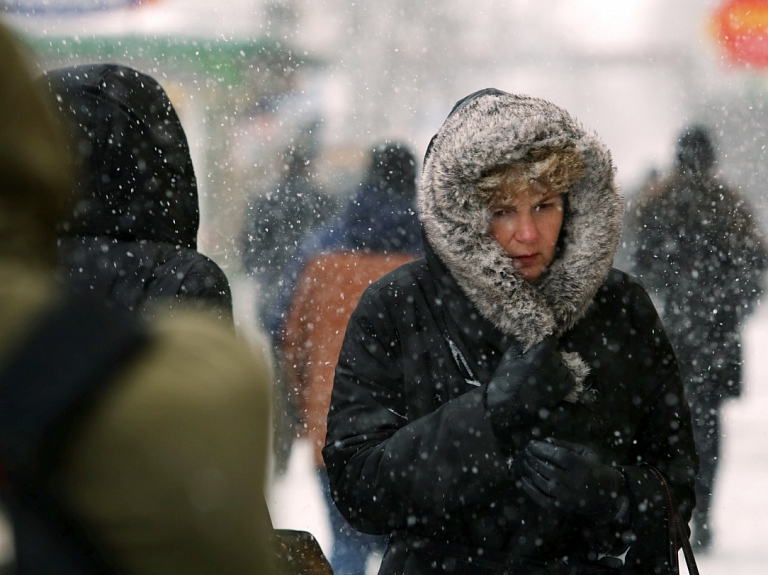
(488, 130)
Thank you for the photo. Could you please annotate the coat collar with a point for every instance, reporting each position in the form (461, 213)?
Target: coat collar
(461, 320)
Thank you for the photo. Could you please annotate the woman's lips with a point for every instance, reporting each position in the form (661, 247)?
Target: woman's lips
(525, 260)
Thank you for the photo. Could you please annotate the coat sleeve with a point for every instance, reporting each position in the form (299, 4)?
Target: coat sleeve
(205, 283)
(189, 279)
(386, 471)
(747, 260)
(664, 440)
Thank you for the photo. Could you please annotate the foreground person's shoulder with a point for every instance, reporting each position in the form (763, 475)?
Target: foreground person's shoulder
(175, 453)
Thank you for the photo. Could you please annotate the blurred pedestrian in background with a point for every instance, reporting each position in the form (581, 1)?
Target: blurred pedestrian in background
(276, 222)
(274, 226)
(124, 447)
(132, 234)
(510, 403)
(699, 250)
(376, 232)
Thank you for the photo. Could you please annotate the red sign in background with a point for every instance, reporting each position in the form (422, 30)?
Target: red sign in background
(741, 28)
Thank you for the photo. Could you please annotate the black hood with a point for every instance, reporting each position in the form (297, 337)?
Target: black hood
(136, 178)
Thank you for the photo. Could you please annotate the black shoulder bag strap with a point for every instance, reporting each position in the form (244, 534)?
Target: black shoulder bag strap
(45, 389)
(677, 535)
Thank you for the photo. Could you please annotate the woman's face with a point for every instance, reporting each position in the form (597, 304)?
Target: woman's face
(526, 222)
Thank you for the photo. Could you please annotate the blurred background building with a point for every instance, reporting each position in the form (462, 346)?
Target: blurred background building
(249, 76)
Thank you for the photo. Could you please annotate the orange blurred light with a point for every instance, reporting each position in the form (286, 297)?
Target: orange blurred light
(741, 28)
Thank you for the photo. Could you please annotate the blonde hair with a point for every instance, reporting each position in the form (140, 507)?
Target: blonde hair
(555, 168)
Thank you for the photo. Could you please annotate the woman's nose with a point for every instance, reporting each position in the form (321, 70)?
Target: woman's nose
(526, 231)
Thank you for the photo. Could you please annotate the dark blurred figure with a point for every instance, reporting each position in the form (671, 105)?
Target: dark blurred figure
(277, 221)
(132, 236)
(124, 447)
(274, 226)
(624, 259)
(376, 232)
(699, 250)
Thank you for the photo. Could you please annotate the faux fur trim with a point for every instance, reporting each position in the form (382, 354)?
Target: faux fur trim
(580, 370)
(489, 132)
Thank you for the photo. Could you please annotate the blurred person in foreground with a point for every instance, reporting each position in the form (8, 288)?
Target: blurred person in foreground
(376, 232)
(132, 235)
(503, 405)
(157, 467)
(700, 252)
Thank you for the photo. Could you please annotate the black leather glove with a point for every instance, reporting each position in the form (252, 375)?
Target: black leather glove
(525, 383)
(569, 476)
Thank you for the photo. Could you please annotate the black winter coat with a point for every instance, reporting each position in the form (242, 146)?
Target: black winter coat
(410, 449)
(132, 236)
(139, 275)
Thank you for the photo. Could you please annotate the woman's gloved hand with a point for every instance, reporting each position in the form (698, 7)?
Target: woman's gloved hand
(569, 476)
(525, 383)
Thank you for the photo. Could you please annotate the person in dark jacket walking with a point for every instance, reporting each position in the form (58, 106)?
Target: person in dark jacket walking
(691, 228)
(275, 225)
(503, 404)
(132, 236)
(376, 232)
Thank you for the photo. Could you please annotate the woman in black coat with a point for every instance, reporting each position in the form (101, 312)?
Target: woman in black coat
(499, 404)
